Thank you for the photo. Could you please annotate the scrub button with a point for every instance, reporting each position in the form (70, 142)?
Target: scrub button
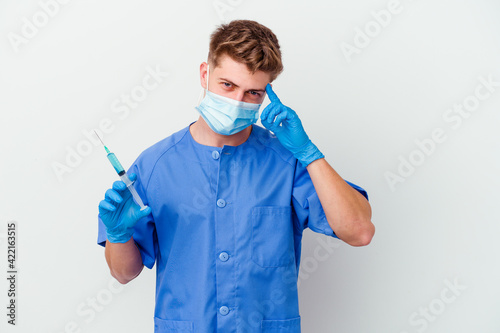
(224, 310)
(223, 256)
(215, 155)
(221, 203)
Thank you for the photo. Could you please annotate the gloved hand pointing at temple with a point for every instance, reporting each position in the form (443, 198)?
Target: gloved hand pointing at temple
(119, 212)
(285, 123)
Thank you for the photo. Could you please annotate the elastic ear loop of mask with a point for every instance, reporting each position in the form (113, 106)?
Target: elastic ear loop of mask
(208, 74)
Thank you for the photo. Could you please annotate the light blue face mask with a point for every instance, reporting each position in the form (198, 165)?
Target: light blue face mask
(227, 116)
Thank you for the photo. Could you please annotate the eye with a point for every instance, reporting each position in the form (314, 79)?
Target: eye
(254, 93)
(227, 85)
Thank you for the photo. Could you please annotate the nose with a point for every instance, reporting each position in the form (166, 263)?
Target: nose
(240, 95)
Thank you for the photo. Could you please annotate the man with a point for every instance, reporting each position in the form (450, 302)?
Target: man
(228, 201)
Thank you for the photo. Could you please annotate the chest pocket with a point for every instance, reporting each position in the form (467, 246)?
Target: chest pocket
(272, 236)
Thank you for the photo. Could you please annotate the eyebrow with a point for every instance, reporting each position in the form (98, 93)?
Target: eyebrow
(234, 84)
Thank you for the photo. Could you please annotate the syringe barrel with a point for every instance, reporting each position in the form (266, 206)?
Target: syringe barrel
(130, 186)
(126, 180)
(116, 164)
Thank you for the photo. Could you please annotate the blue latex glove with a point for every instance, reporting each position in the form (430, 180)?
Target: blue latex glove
(119, 212)
(288, 129)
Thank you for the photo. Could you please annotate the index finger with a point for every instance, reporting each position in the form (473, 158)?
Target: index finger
(272, 95)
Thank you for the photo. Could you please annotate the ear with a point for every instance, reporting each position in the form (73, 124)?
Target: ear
(203, 74)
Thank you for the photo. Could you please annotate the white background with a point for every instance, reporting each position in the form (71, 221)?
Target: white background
(364, 112)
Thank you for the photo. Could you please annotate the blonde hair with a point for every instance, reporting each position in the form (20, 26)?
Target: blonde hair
(249, 43)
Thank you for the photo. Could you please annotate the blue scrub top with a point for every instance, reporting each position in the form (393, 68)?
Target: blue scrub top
(225, 232)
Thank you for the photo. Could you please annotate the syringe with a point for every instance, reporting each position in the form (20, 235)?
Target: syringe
(123, 175)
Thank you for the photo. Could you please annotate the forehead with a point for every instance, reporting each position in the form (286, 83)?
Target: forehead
(239, 74)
